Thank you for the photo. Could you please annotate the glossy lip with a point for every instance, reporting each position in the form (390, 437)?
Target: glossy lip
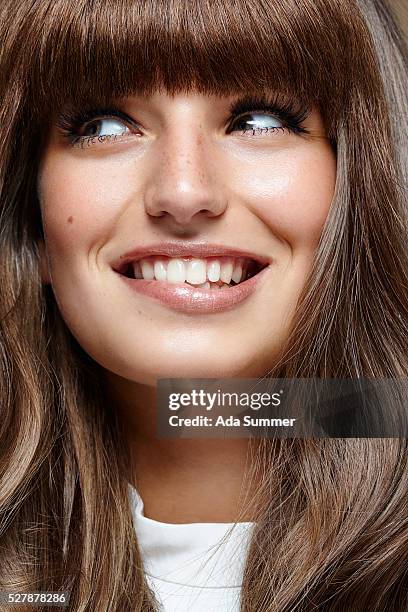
(188, 299)
(185, 249)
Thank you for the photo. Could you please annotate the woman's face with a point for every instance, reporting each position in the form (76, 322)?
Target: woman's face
(168, 174)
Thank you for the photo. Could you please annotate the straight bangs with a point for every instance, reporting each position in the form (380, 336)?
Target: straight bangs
(93, 51)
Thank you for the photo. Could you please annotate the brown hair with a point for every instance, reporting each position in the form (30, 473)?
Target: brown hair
(332, 529)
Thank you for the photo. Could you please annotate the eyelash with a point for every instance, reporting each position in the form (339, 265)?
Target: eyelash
(291, 116)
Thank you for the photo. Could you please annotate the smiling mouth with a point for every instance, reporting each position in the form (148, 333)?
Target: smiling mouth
(215, 272)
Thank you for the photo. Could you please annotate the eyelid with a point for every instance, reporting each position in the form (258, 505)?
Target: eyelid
(275, 102)
(106, 116)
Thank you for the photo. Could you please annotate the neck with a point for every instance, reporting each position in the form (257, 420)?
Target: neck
(181, 480)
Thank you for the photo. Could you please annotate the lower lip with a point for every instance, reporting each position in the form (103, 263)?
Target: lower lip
(186, 298)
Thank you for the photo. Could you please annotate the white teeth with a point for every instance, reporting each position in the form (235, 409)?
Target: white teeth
(160, 272)
(205, 285)
(226, 271)
(237, 273)
(147, 269)
(176, 271)
(213, 271)
(196, 272)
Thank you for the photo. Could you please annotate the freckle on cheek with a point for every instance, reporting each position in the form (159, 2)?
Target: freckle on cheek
(70, 219)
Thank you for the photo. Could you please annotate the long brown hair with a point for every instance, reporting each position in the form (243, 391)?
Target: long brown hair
(332, 527)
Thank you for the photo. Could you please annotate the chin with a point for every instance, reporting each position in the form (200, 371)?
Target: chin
(146, 362)
(213, 366)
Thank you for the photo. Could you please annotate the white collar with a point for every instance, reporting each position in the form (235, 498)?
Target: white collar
(191, 553)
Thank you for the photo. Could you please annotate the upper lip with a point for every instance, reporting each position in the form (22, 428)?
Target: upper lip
(186, 249)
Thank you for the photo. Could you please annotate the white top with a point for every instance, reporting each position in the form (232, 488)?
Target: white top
(187, 565)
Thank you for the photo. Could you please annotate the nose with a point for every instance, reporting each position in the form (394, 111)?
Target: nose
(184, 187)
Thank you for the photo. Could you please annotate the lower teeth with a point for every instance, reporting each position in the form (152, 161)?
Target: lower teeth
(209, 285)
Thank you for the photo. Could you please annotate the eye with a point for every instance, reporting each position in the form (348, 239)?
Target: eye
(256, 122)
(108, 126)
(90, 127)
(259, 114)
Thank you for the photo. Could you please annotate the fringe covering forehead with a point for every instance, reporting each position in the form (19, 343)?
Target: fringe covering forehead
(98, 50)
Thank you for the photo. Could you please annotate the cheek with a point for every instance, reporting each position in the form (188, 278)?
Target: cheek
(291, 191)
(80, 202)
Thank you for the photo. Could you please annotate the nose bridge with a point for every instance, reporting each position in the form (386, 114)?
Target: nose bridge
(184, 164)
(183, 182)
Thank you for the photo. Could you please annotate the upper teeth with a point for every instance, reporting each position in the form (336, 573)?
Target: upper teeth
(190, 270)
